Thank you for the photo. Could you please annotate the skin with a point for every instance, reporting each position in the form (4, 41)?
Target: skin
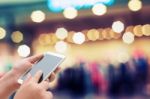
(38, 90)
(8, 83)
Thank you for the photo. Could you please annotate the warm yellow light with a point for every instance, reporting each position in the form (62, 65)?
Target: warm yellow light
(70, 13)
(137, 30)
(23, 50)
(61, 33)
(2, 33)
(118, 26)
(128, 37)
(17, 37)
(93, 34)
(135, 5)
(99, 9)
(61, 46)
(38, 16)
(78, 38)
(44, 39)
(146, 29)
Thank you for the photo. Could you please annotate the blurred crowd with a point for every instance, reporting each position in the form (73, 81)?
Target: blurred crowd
(124, 79)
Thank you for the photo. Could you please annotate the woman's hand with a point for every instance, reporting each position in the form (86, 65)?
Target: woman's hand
(31, 89)
(9, 84)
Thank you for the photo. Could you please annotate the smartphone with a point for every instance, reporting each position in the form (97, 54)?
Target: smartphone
(47, 65)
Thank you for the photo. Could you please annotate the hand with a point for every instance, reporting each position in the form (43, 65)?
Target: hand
(8, 83)
(26, 64)
(31, 89)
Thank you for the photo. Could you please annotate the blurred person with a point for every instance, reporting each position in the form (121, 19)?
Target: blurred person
(9, 84)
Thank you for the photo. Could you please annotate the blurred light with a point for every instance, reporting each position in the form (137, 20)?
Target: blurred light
(70, 36)
(118, 26)
(78, 38)
(17, 36)
(135, 5)
(99, 9)
(23, 50)
(128, 37)
(105, 33)
(70, 13)
(2, 33)
(123, 57)
(45, 39)
(61, 33)
(38, 16)
(146, 29)
(129, 29)
(61, 46)
(57, 6)
(137, 30)
(100, 34)
(93, 34)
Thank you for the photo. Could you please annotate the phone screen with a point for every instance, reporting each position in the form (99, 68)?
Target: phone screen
(47, 65)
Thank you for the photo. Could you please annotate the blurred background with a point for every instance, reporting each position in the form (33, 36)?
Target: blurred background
(107, 44)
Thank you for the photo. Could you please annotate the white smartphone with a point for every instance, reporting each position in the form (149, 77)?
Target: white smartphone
(47, 65)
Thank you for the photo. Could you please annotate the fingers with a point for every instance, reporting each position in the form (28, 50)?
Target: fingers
(37, 76)
(53, 74)
(44, 84)
(35, 58)
(57, 70)
(52, 77)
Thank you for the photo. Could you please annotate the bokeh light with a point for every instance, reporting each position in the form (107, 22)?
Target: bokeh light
(128, 37)
(61, 33)
(137, 30)
(17, 37)
(78, 38)
(118, 26)
(146, 29)
(44, 39)
(93, 34)
(99, 9)
(38, 16)
(135, 5)
(61, 46)
(2, 33)
(23, 50)
(70, 13)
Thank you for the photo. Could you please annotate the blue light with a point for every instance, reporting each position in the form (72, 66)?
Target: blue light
(60, 5)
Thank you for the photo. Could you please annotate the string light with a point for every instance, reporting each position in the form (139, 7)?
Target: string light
(137, 30)
(78, 38)
(118, 26)
(17, 37)
(128, 37)
(2, 33)
(135, 5)
(70, 13)
(38, 16)
(23, 50)
(99, 9)
(61, 33)
(146, 29)
(93, 35)
(61, 46)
